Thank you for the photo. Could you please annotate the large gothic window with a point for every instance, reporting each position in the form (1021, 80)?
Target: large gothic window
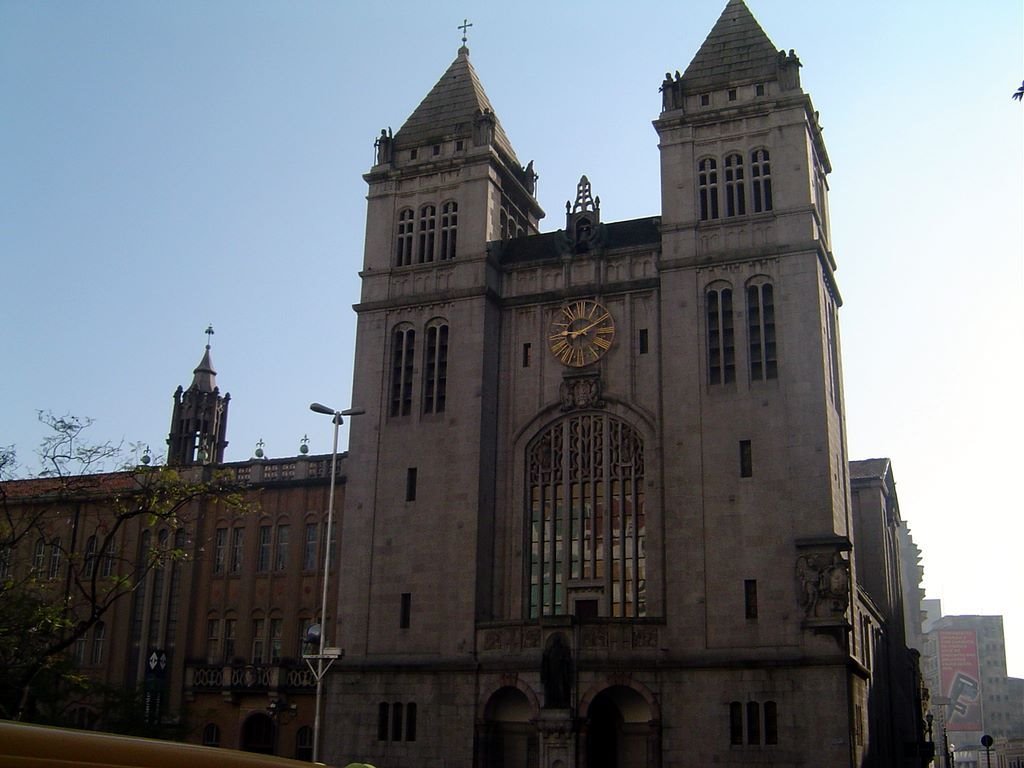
(761, 180)
(585, 507)
(761, 331)
(449, 229)
(435, 368)
(402, 349)
(721, 341)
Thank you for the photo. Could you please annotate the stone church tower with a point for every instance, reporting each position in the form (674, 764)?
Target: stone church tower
(597, 512)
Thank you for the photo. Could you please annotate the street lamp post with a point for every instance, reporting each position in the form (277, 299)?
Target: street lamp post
(324, 653)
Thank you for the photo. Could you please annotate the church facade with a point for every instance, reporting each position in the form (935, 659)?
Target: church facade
(598, 510)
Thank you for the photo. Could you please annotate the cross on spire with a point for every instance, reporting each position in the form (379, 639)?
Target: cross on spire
(465, 25)
(209, 334)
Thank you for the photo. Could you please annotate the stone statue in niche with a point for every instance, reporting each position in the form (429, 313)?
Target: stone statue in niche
(823, 583)
(556, 673)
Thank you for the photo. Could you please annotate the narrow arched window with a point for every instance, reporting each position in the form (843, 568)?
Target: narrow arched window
(761, 331)
(721, 336)
(108, 558)
(449, 229)
(403, 342)
(403, 249)
(761, 180)
(38, 556)
(707, 183)
(735, 202)
(435, 368)
(90, 557)
(99, 636)
(427, 229)
(55, 558)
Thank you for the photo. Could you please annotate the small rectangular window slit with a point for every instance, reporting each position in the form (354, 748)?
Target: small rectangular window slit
(746, 459)
(410, 484)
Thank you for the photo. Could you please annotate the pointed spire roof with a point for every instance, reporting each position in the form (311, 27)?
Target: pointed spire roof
(450, 109)
(736, 49)
(204, 378)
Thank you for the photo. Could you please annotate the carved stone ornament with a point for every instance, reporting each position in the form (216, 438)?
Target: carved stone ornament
(823, 584)
(580, 392)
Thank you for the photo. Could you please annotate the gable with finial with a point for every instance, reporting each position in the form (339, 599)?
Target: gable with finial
(583, 219)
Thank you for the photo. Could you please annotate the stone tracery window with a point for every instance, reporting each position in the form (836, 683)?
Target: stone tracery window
(403, 249)
(585, 511)
(707, 181)
(761, 331)
(449, 229)
(761, 180)
(428, 225)
(735, 200)
(435, 368)
(721, 340)
(402, 349)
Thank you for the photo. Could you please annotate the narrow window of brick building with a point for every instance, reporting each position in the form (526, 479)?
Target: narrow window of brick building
(405, 612)
(732, 94)
(220, 545)
(526, 355)
(705, 99)
(746, 459)
(410, 484)
(383, 717)
(643, 341)
(759, 89)
(237, 541)
(263, 549)
(750, 597)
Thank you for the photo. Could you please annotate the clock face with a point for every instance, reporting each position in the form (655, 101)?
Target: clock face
(581, 332)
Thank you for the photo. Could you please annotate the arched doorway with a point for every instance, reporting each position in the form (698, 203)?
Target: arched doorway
(509, 739)
(619, 730)
(258, 734)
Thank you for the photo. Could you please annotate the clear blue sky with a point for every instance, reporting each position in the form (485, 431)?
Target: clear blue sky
(168, 165)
